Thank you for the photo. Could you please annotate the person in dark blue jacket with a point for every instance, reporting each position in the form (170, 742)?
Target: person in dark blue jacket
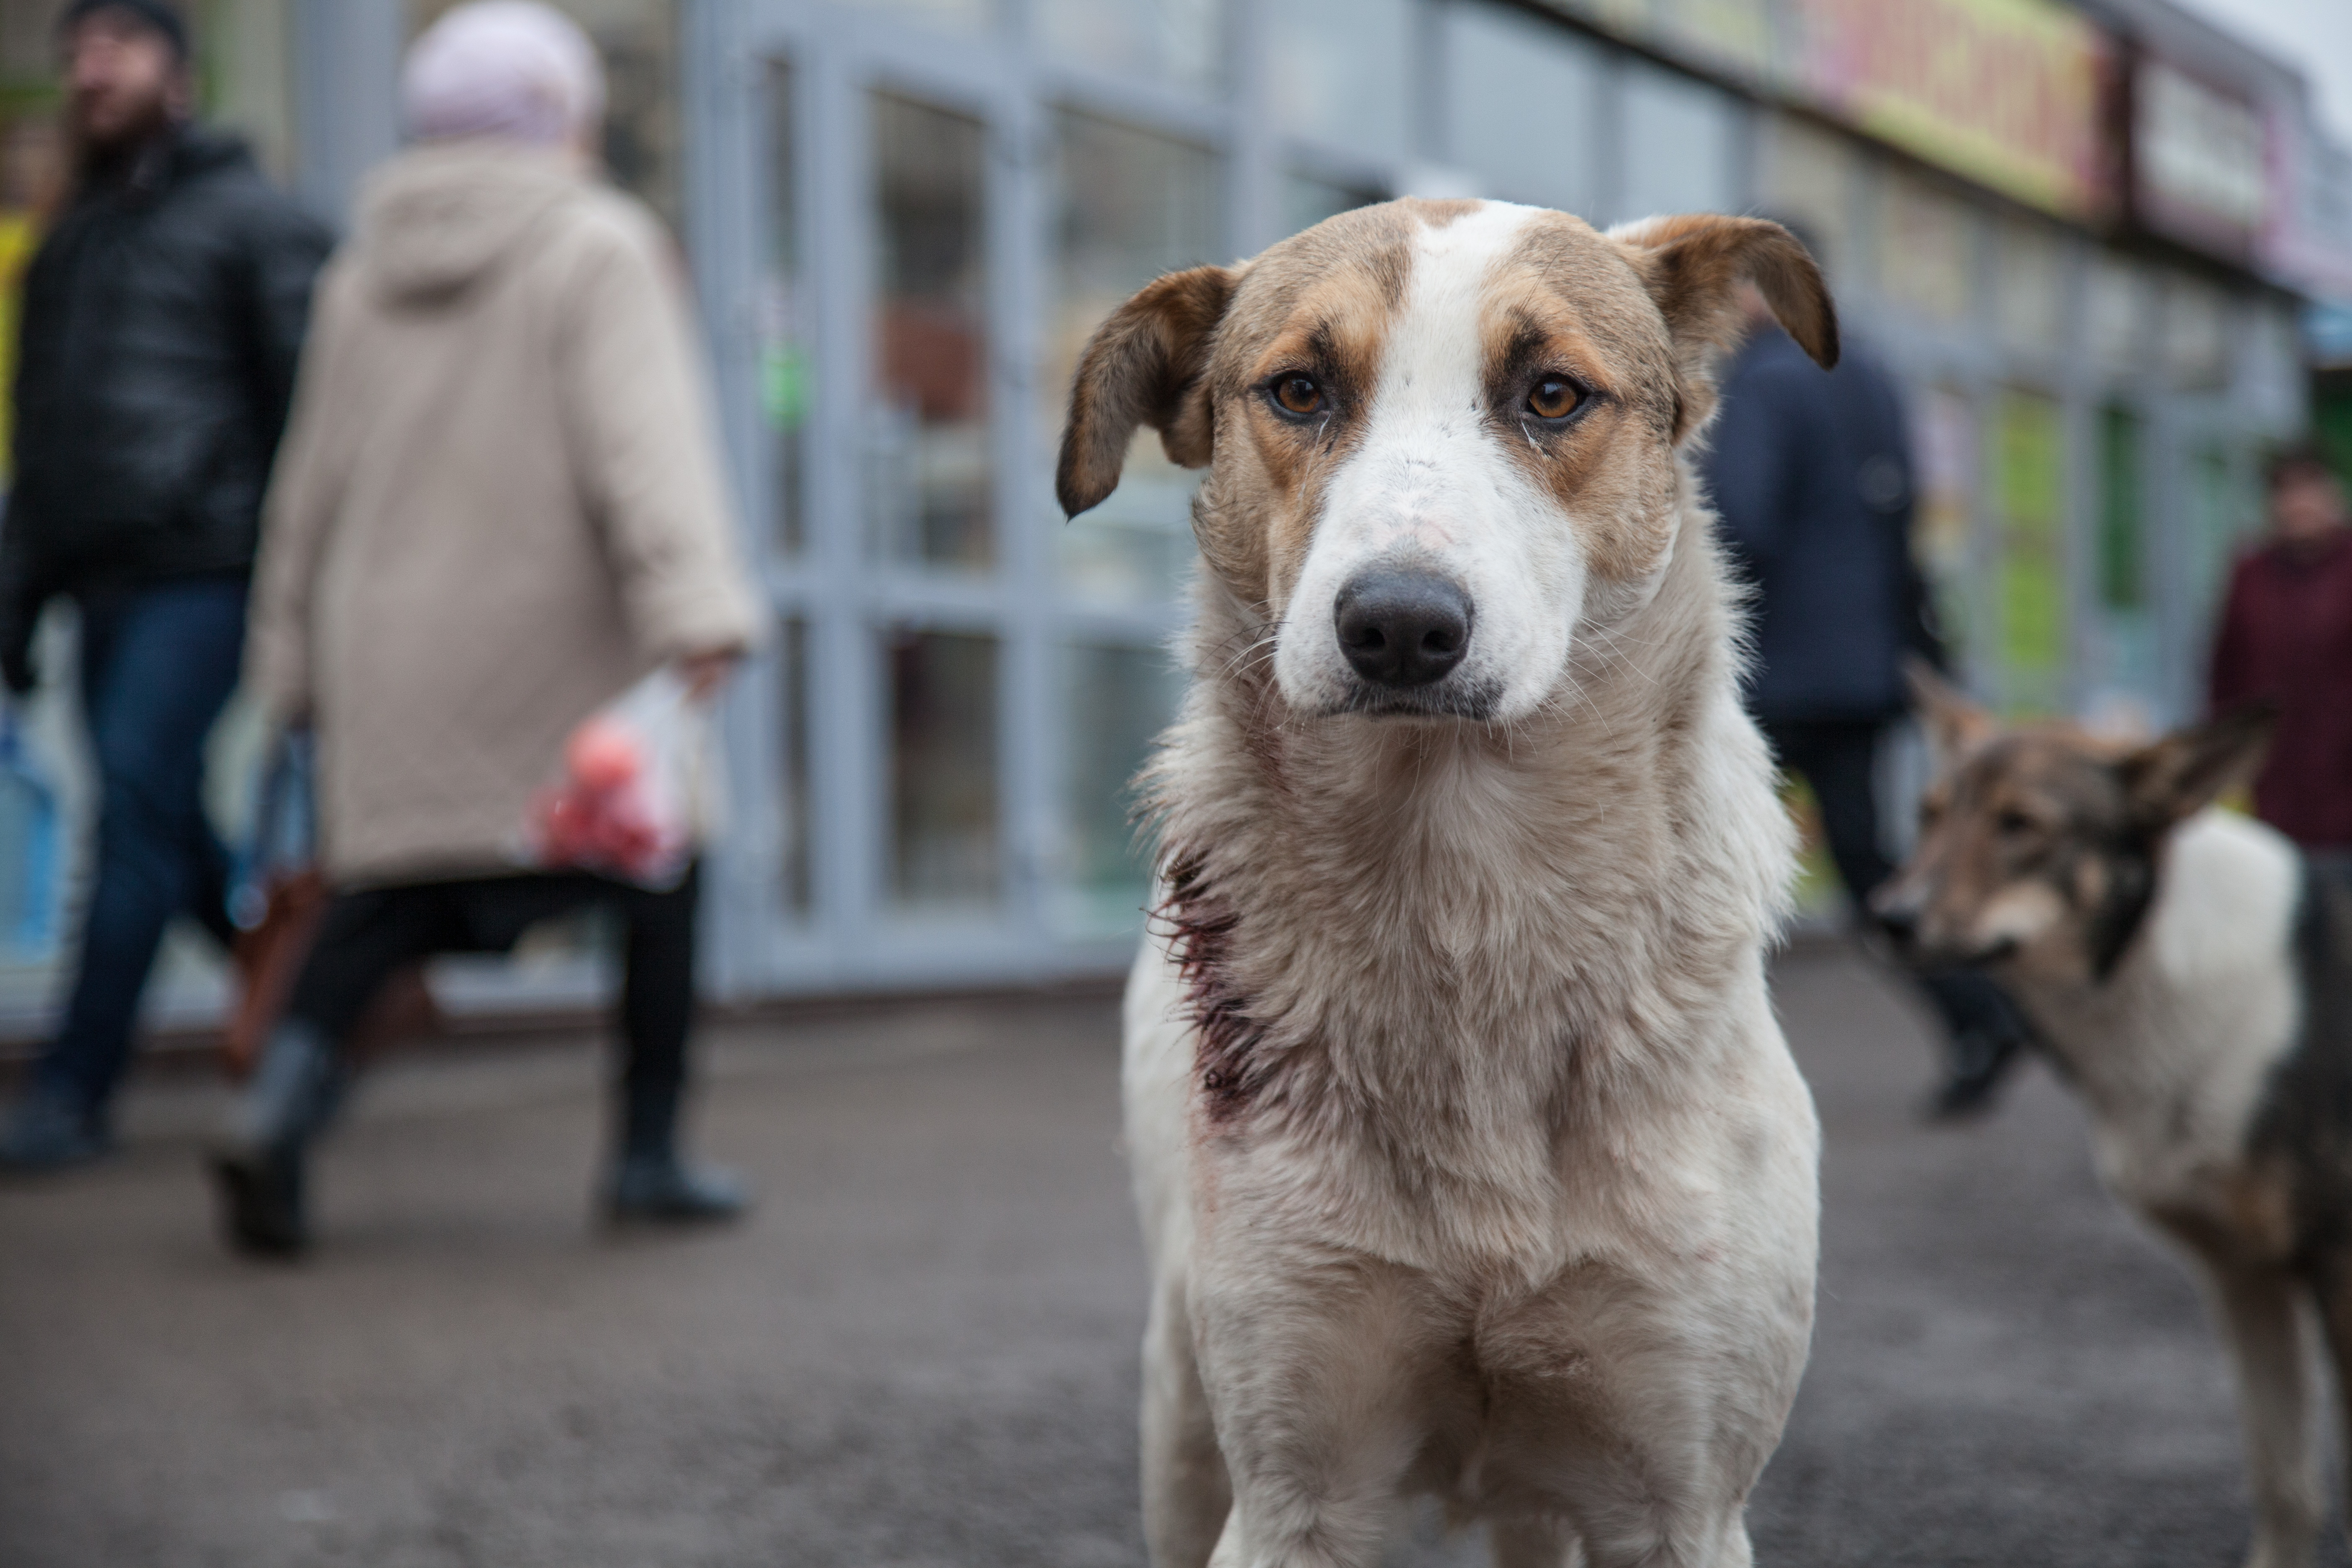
(1812, 476)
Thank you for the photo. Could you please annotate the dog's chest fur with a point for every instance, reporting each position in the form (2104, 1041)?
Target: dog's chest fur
(2217, 1060)
(1473, 990)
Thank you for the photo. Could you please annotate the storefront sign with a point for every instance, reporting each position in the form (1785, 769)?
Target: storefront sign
(2198, 161)
(2010, 93)
(2006, 92)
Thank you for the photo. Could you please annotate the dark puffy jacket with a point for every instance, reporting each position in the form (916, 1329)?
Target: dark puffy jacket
(163, 317)
(1812, 473)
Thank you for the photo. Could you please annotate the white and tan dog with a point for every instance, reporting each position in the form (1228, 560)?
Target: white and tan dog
(1471, 1158)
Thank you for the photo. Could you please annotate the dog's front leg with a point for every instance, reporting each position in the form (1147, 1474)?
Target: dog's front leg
(1309, 1364)
(1186, 1496)
(2256, 1310)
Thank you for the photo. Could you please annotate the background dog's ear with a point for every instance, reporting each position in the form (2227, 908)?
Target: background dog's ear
(1694, 266)
(1956, 726)
(2188, 768)
(1143, 367)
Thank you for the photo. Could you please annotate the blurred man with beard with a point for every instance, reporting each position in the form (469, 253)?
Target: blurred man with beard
(163, 318)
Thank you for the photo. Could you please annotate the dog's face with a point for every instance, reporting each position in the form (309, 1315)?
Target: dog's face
(2041, 846)
(1442, 435)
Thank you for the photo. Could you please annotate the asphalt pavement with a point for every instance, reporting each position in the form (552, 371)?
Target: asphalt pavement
(920, 1352)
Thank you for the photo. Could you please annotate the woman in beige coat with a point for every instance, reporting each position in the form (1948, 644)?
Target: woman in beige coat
(498, 504)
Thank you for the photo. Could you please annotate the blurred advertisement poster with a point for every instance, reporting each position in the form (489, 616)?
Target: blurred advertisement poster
(2012, 94)
(2198, 168)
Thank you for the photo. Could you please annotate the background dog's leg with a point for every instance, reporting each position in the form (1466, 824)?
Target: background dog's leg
(1186, 1494)
(2258, 1313)
(2333, 1294)
(1532, 1543)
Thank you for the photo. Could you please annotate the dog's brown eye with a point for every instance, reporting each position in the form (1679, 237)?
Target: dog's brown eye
(1298, 394)
(2013, 824)
(1554, 397)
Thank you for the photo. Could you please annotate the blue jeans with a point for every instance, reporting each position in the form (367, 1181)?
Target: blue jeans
(158, 664)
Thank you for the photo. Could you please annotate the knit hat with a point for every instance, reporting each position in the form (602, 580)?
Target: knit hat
(154, 14)
(502, 67)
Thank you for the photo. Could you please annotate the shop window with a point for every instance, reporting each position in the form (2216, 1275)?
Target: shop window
(1175, 41)
(1944, 527)
(2121, 313)
(2196, 336)
(2029, 290)
(1307, 200)
(1809, 175)
(2123, 560)
(1117, 700)
(945, 847)
(1680, 141)
(783, 326)
(929, 473)
(2029, 486)
(244, 76)
(1517, 107)
(792, 768)
(1926, 251)
(962, 15)
(1129, 206)
(1343, 73)
(2222, 510)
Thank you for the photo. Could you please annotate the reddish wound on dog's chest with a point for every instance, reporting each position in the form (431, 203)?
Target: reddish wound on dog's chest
(1198, 926)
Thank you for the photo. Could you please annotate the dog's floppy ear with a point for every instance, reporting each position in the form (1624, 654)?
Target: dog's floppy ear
(1143, 367)
(1956, 726)
(2188, 768)
(1694, 266)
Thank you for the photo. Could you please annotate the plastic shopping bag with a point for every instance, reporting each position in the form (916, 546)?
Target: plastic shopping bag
(635, 794)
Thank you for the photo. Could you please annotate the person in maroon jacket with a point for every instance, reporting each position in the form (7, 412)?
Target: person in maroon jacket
(2286, 637)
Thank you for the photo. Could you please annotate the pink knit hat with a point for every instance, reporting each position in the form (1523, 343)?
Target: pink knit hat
(502, 67)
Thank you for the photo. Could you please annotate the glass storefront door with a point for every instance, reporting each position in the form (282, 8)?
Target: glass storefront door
(963, 682)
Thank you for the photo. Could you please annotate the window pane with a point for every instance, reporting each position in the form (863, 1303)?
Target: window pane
(1809, 175)
(1307, 201)
(928, 476)
(1118, 699)
(1946, 524)
(1926, 250)
(799, 880)
(965, 13)
(1174, 42)
(943, 816)
(2029, 486)
(1680, 140)
(1506, 73)
(784, 359)
(1341, 72)
(1129, 206)
(2029, 293)
(2124, 664)
(2122, 577)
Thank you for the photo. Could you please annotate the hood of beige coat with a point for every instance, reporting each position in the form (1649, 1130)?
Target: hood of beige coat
(438, 217)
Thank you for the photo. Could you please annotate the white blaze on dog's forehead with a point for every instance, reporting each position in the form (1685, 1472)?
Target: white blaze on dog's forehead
(1431, 365)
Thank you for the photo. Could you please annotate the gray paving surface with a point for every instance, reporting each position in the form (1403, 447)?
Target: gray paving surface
(922, 1349)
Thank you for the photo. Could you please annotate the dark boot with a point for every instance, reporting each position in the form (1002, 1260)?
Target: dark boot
(47, 1131)
(258, 1169)
(649, 1184)
(662, 1189)
(1978, 1061)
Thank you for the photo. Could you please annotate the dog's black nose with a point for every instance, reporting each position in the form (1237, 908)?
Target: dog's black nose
(1403, 628)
